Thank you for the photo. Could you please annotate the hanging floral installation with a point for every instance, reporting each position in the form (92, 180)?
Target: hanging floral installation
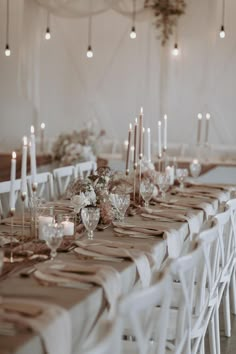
(166, 15)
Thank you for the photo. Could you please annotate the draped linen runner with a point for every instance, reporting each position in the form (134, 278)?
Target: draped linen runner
(53, 324)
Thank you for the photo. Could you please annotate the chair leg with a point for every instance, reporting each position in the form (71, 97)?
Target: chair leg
(233, 292)
(212, 339)
(226, 310)
(217, 331)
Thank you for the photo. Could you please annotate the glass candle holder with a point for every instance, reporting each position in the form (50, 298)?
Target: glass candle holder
(45, 216)
(68, 222)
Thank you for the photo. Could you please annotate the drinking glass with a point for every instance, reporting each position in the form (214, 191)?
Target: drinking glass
(146, 191)
(163, 182)
(121, 203)
(181, 175)
(53, 234)
(90, 217)
(195, 168)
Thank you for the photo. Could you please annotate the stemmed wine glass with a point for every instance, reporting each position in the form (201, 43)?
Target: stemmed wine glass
(90, 217)
(121, 203)
(146, 191)
(53, 234)
(181, 174)
(163, 182)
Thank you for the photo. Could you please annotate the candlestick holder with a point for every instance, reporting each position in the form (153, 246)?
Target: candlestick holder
(11, 258)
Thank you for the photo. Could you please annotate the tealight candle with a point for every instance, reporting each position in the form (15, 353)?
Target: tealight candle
(69, 228)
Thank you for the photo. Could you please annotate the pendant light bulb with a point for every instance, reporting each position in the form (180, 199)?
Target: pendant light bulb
(133, 34)
(222, 32)
(89, 52)
(7, 50)
(47, 34)
(175, 51)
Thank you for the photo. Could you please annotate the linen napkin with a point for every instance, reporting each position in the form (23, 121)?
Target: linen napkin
(105, 276)
(143, 261)
(50, 321)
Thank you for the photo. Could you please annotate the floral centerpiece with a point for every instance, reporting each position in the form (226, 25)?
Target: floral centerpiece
(76, 147)
(95, 191)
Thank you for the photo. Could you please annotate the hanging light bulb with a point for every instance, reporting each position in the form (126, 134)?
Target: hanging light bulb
(175, 50)
(133, 34)
(7, 50)
(222, 32)
(222, 28)
(48, 34)
(89, 52)
(7, 47)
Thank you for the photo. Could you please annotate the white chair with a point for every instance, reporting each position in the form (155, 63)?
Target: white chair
(232, 205)
(5, 188)
(45, 187)
(84, 169)
(137, 308)
(63, 176)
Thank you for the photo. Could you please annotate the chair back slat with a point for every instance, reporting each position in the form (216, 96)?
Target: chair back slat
(84, 169)
(63, 176)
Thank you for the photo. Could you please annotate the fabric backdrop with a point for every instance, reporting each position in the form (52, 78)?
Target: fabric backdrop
(54, 82)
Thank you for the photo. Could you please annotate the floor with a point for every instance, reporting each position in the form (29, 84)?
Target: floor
(228, 345)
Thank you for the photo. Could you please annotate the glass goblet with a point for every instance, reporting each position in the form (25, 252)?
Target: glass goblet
(146, 191)
(121, 203)
(90, 217)
(181, 175)
(53, 234)
(163, 182)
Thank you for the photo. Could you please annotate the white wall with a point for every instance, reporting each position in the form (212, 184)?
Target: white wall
(125, 74)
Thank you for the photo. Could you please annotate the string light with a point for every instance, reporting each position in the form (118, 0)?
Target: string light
(89, 50)
(7, 47)
(133, 34)
(222, 28)
(48, 32)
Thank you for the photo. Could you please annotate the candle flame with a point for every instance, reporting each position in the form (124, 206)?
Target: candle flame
(165, 116)
(143, 130)
(132, 148)
(13, 154)
(199, 115)
(25, 140)
(136, 120)
(43, 125)
(148, 130)
(141, 110)
(208, 116)
(159, 123)
(130, 126)
(195, 161)
(126, 143)
(32, 129)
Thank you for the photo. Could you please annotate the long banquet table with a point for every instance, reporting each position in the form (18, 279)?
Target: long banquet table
(86, 307)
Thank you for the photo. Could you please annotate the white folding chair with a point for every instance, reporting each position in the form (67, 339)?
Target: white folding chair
(84, 169)
(45, 187)
(232, 205)
(5, 188)
(63, 176)
(137, 308)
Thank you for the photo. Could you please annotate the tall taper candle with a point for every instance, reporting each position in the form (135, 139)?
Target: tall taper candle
(12, 183)
(208, 117)
(199, 128)
(159, 140)
(42, 130)
(144, 147)
(24, 168)
(135, 142)
(148, 137)
(140, 151)
(33, 157)
(165, 133)
(128, 150)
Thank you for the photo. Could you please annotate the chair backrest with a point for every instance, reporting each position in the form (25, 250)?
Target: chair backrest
(63, 176)
(187, 270)
(84, 169)
(225, 236)
(45, 187)
(5, 188)
(232, 206)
